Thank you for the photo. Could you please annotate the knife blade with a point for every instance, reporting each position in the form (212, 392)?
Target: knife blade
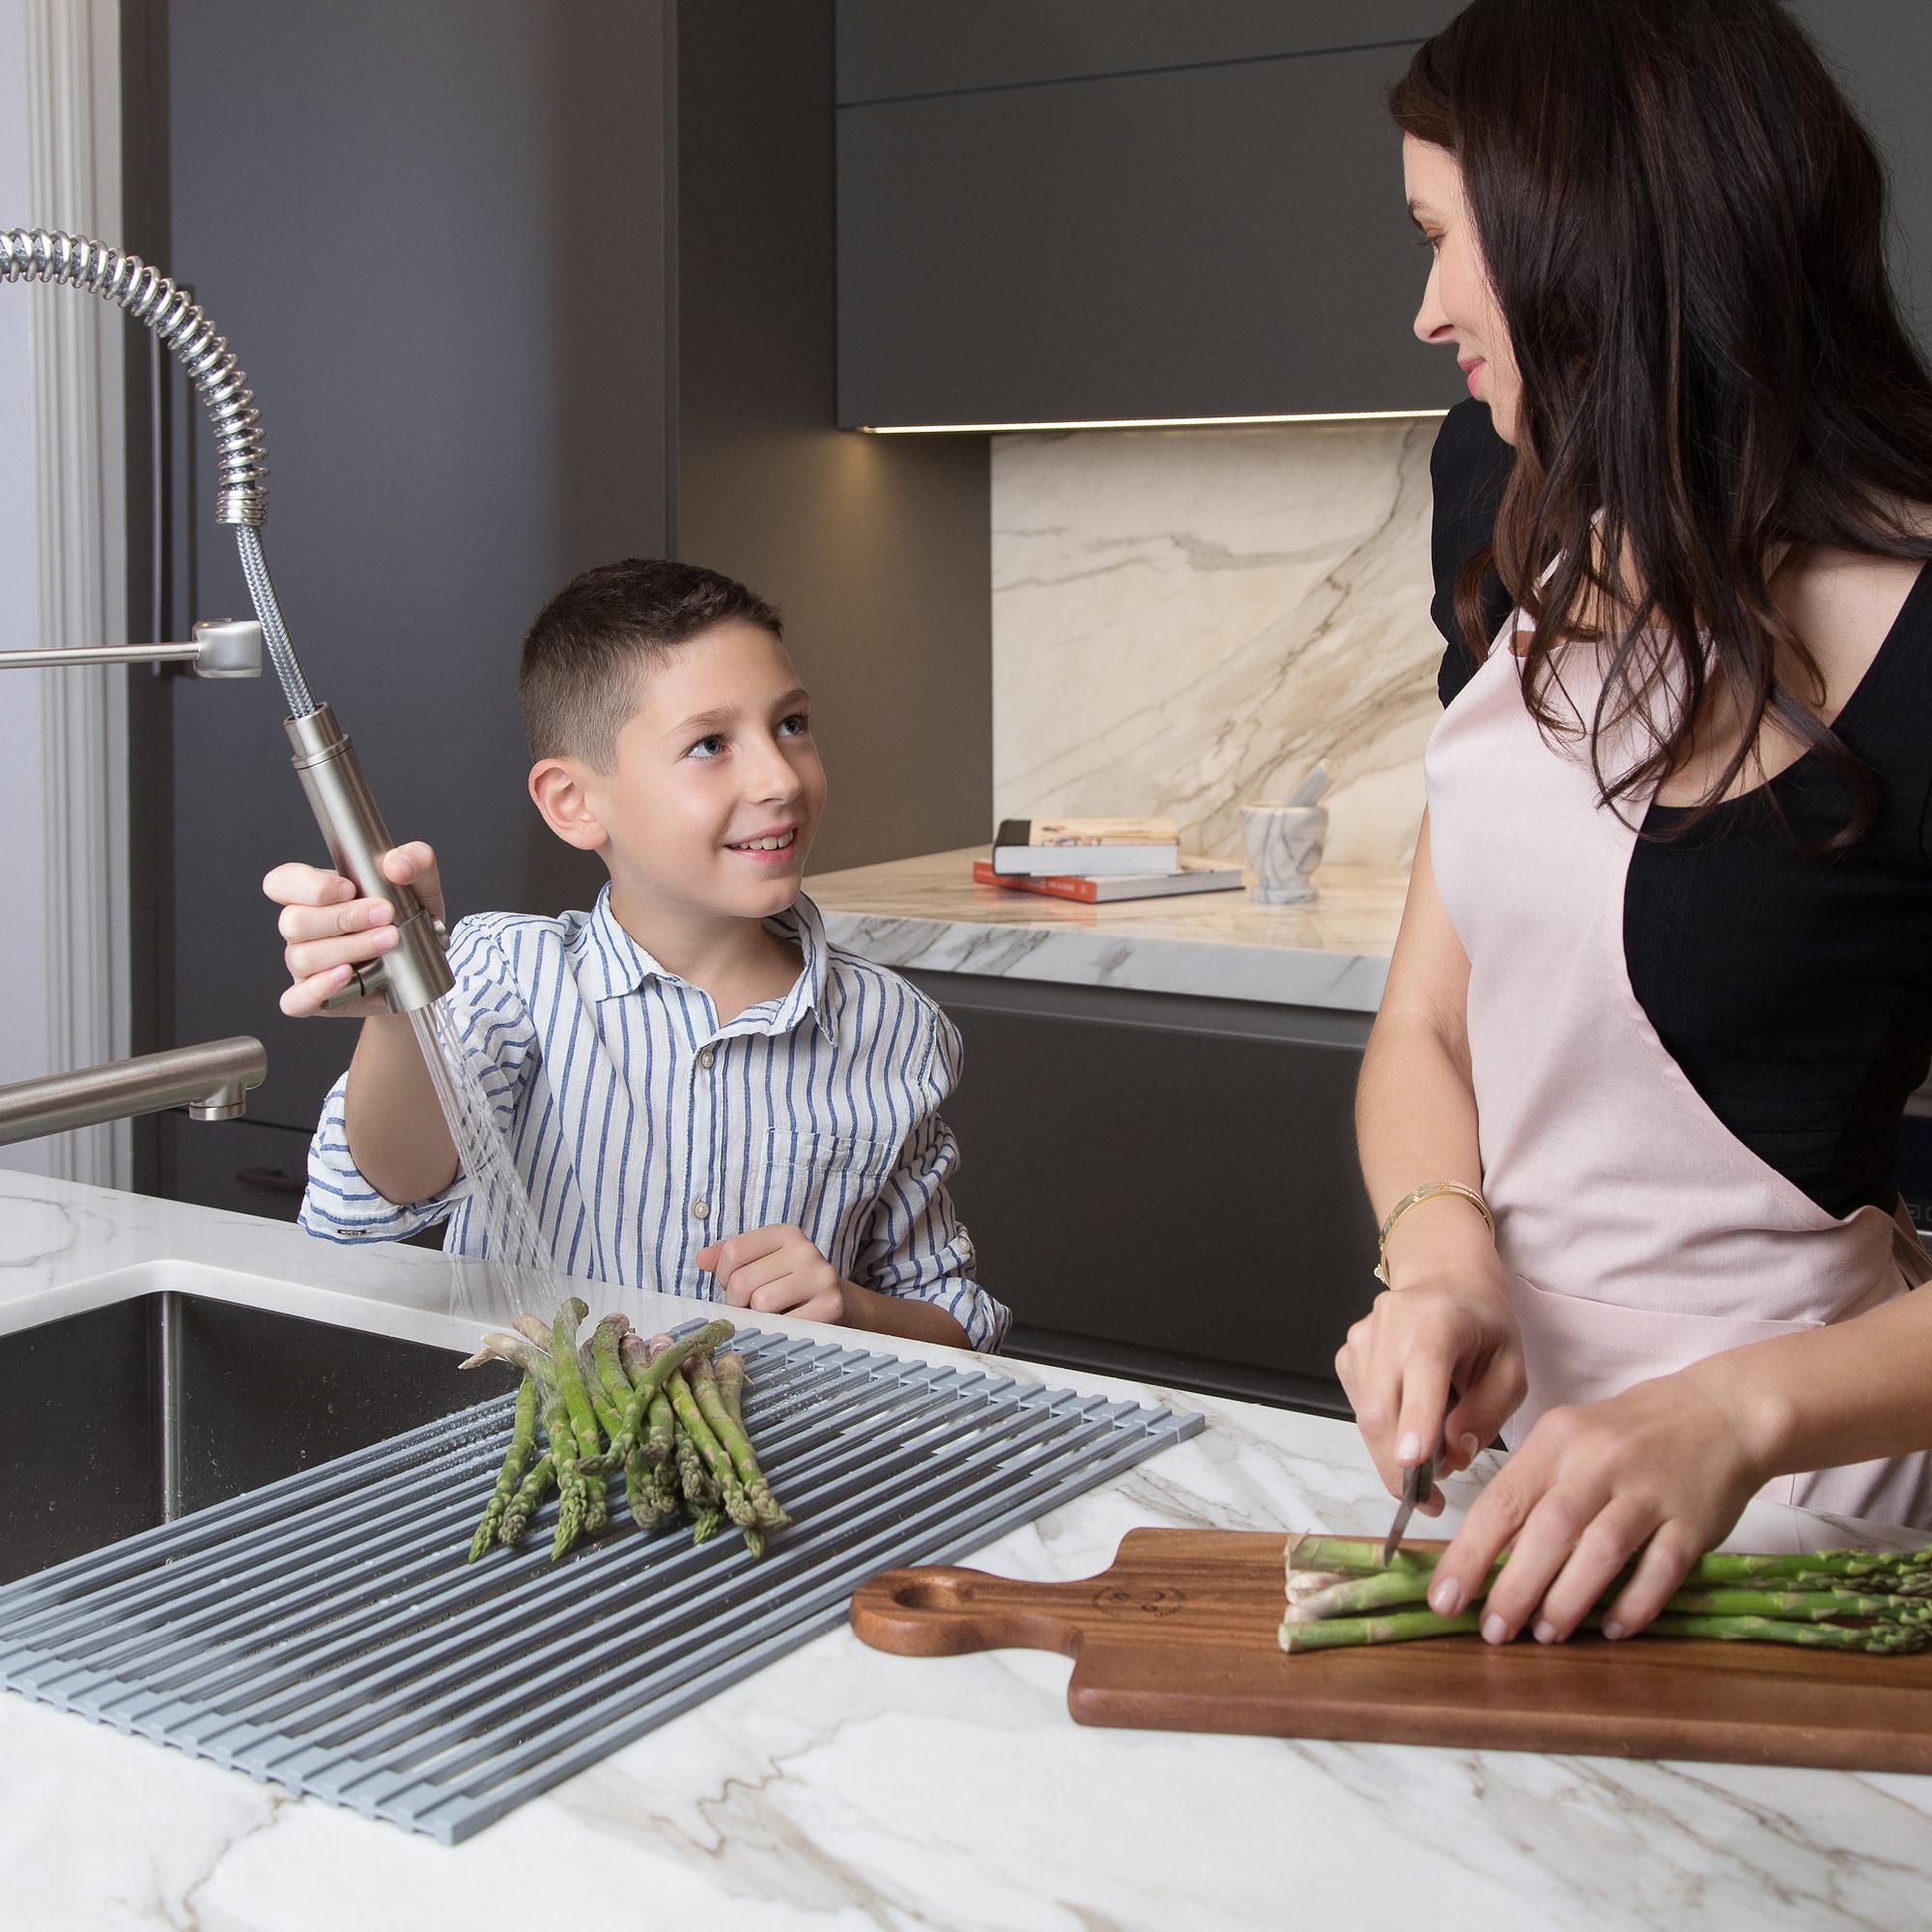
(1415, 1485)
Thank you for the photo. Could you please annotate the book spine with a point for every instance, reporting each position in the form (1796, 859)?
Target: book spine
(1045, 885)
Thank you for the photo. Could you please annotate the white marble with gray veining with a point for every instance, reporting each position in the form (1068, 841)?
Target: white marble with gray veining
(1185, 622)
(928, 913)
(843, 1788)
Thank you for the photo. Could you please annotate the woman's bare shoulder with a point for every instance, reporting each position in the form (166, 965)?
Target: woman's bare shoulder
(1845, 603)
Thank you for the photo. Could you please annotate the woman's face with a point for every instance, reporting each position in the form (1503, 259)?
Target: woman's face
(1459, 305)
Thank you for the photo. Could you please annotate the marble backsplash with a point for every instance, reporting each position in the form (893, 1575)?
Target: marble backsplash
(1185, 622)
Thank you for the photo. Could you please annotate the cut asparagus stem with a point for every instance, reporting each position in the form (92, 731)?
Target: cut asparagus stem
(727, 1490)
(523, 1435)
(719, 1387)
(1399, 1627)
(531, 1491)
(644, 1385)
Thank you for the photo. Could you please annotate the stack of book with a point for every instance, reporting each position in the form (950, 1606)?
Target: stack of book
(1100, 860)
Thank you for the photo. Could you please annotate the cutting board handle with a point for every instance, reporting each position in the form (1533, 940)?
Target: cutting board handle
(942, 1610)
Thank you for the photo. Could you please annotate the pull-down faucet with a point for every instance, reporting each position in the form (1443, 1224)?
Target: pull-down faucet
(212, 1079)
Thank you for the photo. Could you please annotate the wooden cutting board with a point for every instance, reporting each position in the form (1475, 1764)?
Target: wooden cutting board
(1180, 1635)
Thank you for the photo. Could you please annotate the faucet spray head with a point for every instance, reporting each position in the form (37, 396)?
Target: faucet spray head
(415, 971)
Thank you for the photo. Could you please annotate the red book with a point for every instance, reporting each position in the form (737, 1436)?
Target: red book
(1197, 875)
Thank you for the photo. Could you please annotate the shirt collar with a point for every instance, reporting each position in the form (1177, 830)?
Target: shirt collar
(615, 964)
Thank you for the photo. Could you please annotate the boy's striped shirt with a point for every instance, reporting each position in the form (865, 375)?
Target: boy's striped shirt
(645, 1131)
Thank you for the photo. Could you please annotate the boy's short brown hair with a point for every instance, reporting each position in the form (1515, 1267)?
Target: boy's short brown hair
(585, 656)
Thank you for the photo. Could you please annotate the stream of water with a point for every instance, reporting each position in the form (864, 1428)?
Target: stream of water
(514, 1272)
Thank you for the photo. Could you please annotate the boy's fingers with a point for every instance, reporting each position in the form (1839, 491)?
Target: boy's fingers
(749, 1277)
(297, 884)
(707, 1259)
(298, 923)
(304, 999)
(750, 1246)
(324, 956)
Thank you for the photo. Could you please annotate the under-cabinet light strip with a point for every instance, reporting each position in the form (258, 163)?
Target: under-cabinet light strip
(1144, 422)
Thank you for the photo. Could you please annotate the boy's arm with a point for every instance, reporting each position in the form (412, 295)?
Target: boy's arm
(915, 1271)
(393, 1121)
(346, 1200)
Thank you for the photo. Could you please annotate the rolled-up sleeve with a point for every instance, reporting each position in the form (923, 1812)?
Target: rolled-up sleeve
(915, 1244)
(493, 1021)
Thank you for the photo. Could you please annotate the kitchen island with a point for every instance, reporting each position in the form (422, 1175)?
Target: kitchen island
(842, 1787)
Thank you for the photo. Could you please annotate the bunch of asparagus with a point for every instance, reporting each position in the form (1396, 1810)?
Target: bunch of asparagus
(669, 1415)
(1340, 1594)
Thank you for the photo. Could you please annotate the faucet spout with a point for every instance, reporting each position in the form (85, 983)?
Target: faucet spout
(212, 1080)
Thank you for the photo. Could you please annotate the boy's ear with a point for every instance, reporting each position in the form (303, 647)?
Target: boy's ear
(556, 788)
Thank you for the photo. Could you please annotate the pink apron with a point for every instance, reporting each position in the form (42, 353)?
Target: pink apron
(1639, 1234)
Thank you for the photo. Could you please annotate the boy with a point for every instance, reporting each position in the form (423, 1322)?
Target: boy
(703, 1096)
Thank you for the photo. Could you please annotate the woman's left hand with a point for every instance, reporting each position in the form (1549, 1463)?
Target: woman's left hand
(1664, 1469)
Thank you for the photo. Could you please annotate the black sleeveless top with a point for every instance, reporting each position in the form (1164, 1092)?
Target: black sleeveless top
(1795, 993)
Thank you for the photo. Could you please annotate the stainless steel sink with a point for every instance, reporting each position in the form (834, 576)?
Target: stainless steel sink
(137, 1412)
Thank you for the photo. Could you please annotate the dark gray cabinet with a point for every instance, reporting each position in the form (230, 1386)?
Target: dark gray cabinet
(888, 48)
(1208, 238)
(1164, 1186)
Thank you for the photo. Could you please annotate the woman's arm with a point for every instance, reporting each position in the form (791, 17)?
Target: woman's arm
(1662, 1472)
(1446, 1322)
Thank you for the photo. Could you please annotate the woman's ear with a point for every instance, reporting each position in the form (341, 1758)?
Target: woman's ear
(556, 788)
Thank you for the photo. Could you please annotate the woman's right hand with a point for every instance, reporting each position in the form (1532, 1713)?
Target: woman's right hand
(330, 930)
(1435, 1365)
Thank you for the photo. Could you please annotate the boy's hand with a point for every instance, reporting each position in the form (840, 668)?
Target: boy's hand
(778, 1271)
(331, 931)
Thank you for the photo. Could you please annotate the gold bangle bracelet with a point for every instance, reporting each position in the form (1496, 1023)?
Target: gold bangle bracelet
(1430, 1190)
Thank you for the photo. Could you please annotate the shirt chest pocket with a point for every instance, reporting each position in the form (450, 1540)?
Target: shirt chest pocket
(825, 1184)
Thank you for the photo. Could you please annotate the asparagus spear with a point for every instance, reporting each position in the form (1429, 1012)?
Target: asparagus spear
(522, 1435)
(609, 1417)
(1401, 1625)
(531, 1491)
(573, 1490)
(648, 1506)
(644, 1385)
(706, 1520)
(655, 1445)
(724, 1483)
(720, 1388)
(1905, 1573)
(568, 1376)
(607, 1352)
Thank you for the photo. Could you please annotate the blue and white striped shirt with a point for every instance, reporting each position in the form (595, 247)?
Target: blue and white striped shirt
(645, 1131)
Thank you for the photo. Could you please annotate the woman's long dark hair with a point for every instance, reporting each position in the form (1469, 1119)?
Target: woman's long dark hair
(1685, 226)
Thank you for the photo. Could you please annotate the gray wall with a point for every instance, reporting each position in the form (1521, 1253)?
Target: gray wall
(1882, 50)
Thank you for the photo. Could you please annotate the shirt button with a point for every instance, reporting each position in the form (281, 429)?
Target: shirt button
(706, 1058)
(699, 1209)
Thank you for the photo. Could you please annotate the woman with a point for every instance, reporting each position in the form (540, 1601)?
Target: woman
(1664, 976)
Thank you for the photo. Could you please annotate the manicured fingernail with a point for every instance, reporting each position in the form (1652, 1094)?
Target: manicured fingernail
(1445, 1596)
(1494, 1630)
(1613, 1631)
(1472, 1449)
(1410, 1448)
(1546, 1630)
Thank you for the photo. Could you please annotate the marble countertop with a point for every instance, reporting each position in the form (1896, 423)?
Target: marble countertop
(843, 1788)
(927, 912)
